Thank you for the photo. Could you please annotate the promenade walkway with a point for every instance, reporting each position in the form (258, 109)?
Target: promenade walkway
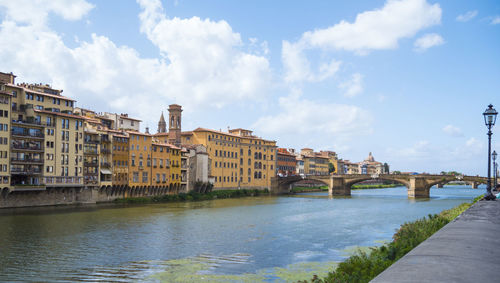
(465, 250)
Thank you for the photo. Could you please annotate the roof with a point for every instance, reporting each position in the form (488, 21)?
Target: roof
(160, 134)
(42, 93)
(6, 93)
(161, 144)
(138, 133)
(128, 118)
(229, 134)
(59, 114)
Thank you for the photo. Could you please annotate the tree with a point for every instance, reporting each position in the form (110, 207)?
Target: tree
(386, 168)
(331, 168)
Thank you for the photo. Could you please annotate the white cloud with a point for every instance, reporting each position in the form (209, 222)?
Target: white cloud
(298, 67)
(353, 86)
(377, 29)
(453, 131)
(427, 41)
(298, 118)
(205, 60)
(467, 16)
(201, 64)
(496, 20)
(36, 12)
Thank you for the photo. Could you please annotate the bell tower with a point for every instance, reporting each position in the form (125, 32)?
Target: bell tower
(174, 124)
(162, 125)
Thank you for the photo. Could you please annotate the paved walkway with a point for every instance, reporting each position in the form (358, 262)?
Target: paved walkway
(465, 250)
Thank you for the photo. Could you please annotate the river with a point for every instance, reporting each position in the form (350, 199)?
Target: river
(235, 240)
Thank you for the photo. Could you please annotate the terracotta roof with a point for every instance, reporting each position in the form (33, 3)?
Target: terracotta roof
(6, 93)
(138, 133)
(161, 144)
(232, 135)
(42, 93)
(160, 134)
(59, 114)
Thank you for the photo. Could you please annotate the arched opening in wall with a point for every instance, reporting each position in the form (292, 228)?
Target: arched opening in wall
(4, 193)
(370, 183)
(305, 185)
(132, 192)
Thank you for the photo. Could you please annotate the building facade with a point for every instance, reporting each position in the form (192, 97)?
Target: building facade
(286, 163)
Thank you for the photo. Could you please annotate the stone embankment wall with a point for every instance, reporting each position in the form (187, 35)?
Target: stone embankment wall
(70, 196)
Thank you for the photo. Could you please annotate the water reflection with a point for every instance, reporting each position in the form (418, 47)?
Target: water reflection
(234, 239)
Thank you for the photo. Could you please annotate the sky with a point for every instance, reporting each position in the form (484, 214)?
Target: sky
(407, 80)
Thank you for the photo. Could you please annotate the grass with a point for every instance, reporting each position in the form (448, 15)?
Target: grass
(309, 189)
(193, 196)
(379, 186)
(365, 266)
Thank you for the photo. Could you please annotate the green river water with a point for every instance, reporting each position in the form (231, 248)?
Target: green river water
(273, 239)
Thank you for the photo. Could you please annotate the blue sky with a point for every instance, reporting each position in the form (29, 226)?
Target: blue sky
(407, 80)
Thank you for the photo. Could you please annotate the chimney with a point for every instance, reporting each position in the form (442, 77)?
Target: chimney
(147, 130)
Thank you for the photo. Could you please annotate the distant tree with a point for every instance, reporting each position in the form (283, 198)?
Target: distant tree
(331, 168)
(386, 168)
(396, 172)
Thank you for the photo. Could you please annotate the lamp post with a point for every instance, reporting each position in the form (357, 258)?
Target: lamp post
(494, 156)
(490, 116)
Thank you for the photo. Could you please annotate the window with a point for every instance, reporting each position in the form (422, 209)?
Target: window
(144, 177)
(135, 177)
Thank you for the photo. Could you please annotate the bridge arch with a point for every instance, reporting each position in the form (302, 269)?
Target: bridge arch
(350, 183)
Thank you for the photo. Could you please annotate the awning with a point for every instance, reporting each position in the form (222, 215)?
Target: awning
(106, 171)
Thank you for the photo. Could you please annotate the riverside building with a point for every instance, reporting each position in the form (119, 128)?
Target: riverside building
(46, 138)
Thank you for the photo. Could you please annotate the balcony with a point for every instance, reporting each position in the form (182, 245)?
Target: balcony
(90, 151)
(35, 123)
(106, 164)
(26, 160)
(27, 134)
(105, 151)
(92, 141)
(26, 171)
(90, 163)
(63, 181)
(26, 147)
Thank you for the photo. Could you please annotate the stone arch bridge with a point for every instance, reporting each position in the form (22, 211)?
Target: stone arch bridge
(340, 185)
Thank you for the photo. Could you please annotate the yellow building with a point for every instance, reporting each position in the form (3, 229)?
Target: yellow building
(120, 157)
(161, 164)
(175, 167)
(46, 137)
(5, 126)
(140, 145)
(238, 158)
(314, 163)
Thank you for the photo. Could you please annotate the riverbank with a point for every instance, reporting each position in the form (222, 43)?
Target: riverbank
(296, 190)
(365, 266)
(192, 196)
(378, 186)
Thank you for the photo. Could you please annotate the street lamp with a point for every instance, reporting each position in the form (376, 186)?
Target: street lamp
(494, 156)
(490, 116)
